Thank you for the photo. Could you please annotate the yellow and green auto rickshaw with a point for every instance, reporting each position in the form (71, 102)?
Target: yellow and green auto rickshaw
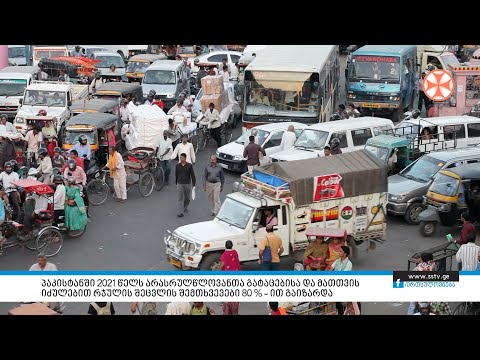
(454, 191)
(137, 65)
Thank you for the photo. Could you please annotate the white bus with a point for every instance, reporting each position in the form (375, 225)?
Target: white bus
(291, 83)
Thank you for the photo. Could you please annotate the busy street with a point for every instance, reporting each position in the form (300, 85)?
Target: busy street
(126, 232)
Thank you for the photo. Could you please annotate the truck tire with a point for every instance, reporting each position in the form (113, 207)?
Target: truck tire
(210, 261)
(427, 228)
(412, 213)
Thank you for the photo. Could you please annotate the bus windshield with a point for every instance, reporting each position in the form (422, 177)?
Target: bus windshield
(375, 69)
(282, 93)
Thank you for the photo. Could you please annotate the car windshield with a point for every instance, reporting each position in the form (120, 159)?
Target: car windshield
(379, 152)
(311, 139)
(261, 136)
(444, 185)
(235, 213)
(16, 52)
(423, 169)
(375, 68)
(137, 66)
(12, 87)
(90, 51)
(159, 77)
(48, 98)
(107, 61)
(45, 54)
(71, 137)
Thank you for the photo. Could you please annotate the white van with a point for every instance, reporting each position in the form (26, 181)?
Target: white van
(13, 82)
(446, 132)
(107, 59)
(230, 156)
(352, 133)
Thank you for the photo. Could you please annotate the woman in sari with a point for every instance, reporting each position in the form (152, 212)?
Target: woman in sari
(334, 248)
(75, 213)
(315, 254)
(229, 261)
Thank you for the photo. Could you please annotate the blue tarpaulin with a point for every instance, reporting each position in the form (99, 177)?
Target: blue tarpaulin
(269, 179)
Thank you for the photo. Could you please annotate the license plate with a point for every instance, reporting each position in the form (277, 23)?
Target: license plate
(225, 166)
(370, 105)
(176, 263)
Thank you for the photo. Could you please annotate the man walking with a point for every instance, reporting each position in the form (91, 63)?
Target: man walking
(251, 152)
(288, 139)
(43, 265)
(118, 174)
(213, 117)
(164, 152)
(468, 254)
(271, 247)
(185, 180)
(213, 182)
(186, 148)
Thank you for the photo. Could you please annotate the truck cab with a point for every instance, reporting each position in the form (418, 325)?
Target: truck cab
(436, 55)
(53, 97)
(304, 196)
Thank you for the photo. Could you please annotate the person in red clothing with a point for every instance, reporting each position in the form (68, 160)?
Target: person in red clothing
(78, 160)
(158, 102)
(229, 261)
(467, 228)
(276, 310)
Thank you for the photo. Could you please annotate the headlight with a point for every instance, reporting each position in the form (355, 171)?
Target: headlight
(238, 157)
(351, 96)
(217, 153)
(396, 197)
(395, 98)
(170, 96)
(19, 120)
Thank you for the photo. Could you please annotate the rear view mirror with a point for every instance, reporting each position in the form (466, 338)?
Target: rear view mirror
(69, 103)
(255, 226)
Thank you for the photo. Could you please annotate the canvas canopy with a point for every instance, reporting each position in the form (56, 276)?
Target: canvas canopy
(362, 173)
(149, 123)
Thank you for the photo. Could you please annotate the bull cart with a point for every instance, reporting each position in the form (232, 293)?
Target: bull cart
(442, 255)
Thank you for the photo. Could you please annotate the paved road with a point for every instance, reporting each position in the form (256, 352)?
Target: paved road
(129, 236)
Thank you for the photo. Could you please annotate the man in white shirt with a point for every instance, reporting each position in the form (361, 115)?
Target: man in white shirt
(43, 264)
(469, 254)
(288, 139)
(184, 147)
(177, 108)
(6, 177)
(225, 74)
(58, 198)
(96, 83)
(178, 308)
(225, 63)
(124, 113)
(164, 152)
(213, 117)
(45, 167)
(8, 125)
(77, 52)
(33, 140)
(343, 263)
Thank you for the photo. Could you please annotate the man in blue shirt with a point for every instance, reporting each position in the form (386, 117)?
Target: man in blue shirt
(84, 151)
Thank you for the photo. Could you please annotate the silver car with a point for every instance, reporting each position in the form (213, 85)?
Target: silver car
(407, 188)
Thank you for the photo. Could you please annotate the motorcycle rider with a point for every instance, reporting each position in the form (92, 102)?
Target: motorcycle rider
(45, 167)
(58, 160)
(6, 177)
(84, 151)
(150, 97)
(335, 147)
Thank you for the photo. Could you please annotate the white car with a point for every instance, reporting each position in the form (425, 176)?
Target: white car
(230, 156)
(216, 57)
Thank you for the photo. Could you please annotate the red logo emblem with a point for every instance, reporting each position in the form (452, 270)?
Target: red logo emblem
(438, 85)
(327, 187)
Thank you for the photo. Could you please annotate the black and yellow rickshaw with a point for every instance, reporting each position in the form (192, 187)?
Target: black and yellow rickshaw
(453, 192)
(94, 126)
(95, 106)
(120, 90)
(137, 65)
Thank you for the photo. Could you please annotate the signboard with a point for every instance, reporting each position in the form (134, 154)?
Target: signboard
(385, 59)
(13, 81)
(327, 187)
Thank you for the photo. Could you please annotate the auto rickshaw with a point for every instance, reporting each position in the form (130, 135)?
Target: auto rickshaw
(49, 128)
(453, 192)
(120, 90)
(137, 65)
(95, 106)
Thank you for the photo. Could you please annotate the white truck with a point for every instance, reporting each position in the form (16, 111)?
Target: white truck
(55, 97)
(347, 191)
(437, 55)
(13, 82)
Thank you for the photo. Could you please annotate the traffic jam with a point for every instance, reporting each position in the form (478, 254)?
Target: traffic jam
(240, 157)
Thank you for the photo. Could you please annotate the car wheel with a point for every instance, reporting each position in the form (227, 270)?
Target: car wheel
(413, 210)
(427, 228)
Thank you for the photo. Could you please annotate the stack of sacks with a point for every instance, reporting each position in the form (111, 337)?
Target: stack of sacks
(150, 122)
(214, 92)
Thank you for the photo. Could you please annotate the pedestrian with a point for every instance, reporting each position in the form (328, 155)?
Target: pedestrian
(58, 198)
(186, 148)
(229, 261)
(275, 309)
(225, 63)
(353, 112)
(185, 181)
(178, 107)
(469, 254)
(125, 114)
(335, 147)
(58, 160)
(178, 308)
(467, 228)
(118, 174)
(213, 117)
(327, 151)
(424, 309)
(225, 74)
(343, 263)
(341, 111)
(164, 152)
(199, 308)
(422, 98)
(101, 308)
(45, 167)
(213, 181)
(288, 139)
(271, 247)
(252, 152)
(146, 308)
(426, 264)
(173, 133)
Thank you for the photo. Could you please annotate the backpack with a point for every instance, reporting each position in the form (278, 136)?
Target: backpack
(102, 310)
(148, 308)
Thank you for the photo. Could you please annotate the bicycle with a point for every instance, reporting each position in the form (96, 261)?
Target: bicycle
(206, 135)
(158, 173)
(467, 308)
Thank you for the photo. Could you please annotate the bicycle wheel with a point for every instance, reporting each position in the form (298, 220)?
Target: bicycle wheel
(146, 183)
(97, 192)
(462, 309)
(32, 244)
(50, 240)
(203, 141)
(159, 177)
(227, 132)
